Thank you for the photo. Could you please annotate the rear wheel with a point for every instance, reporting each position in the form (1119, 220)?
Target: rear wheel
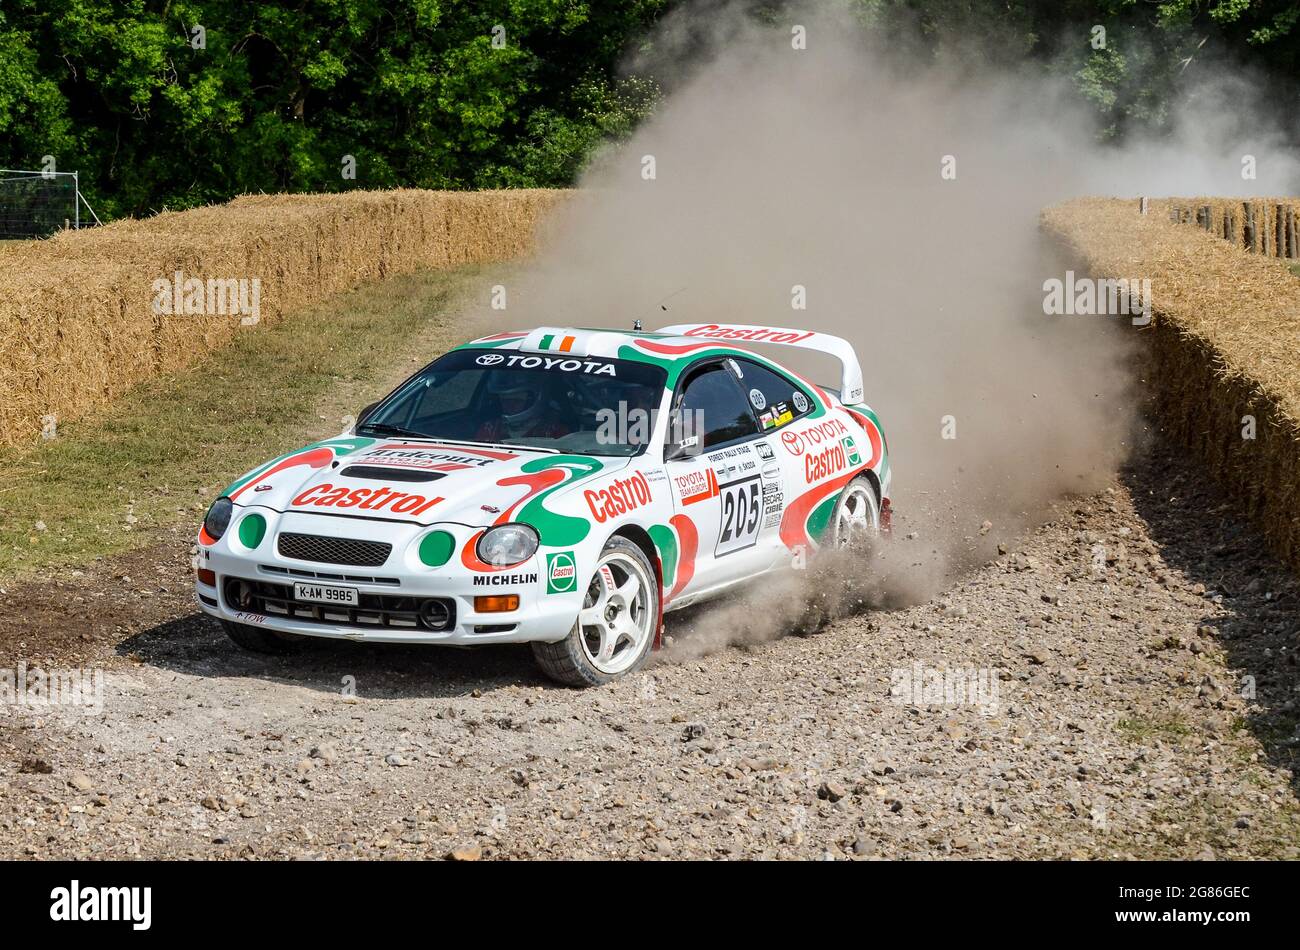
(257, 639)
(854, 533)
(856, 524)
(616, 625)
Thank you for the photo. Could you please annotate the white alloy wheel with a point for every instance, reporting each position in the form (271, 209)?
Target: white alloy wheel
(616, 623)
(857, 517)
(616, 618)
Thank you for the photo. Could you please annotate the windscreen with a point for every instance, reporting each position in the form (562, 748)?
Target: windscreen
(568, 404)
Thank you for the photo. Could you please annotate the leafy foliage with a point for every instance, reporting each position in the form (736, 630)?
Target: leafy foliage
(174, 103)
(184, 102)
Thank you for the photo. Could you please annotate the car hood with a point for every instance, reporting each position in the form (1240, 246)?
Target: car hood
(410, 480)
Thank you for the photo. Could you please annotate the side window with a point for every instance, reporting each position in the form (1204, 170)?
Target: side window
(712, 398)
(776, 400)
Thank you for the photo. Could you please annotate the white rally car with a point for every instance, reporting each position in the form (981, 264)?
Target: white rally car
(561, 487)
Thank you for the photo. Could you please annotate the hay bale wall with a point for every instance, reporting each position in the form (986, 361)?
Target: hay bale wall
(77, 321)
(1225, 340)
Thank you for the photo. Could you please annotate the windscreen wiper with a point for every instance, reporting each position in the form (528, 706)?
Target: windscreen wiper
(385, 428)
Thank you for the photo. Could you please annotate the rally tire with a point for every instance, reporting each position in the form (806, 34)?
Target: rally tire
(855, 523)
(854, 530)
(629, 595)
(257, 639)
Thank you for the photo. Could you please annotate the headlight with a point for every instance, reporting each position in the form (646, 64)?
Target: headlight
(217, 519)
(507, 544)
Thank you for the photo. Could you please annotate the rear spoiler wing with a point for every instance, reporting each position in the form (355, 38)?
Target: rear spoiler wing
(851, 371)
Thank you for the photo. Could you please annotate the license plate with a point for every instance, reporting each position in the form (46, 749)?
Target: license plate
(326, 594)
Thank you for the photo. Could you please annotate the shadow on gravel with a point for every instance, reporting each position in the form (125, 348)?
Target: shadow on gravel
(196, 645)
(1204, 535)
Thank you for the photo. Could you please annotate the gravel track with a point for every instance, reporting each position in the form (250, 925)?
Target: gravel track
(1110, 646)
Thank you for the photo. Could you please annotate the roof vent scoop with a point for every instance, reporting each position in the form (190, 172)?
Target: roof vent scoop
(559, 341)
(389, 473)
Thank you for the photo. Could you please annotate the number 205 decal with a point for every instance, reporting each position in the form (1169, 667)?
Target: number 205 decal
(742, 515)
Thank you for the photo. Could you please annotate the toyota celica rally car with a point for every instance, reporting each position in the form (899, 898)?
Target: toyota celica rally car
(560, 487)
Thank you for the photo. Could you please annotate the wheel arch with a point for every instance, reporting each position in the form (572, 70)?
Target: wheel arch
(872, 477)
(641, 538)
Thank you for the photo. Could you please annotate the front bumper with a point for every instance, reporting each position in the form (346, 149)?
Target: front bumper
(255, 587)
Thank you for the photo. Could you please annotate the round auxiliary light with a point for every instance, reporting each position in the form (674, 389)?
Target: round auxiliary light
(252, 529)
(436, 548)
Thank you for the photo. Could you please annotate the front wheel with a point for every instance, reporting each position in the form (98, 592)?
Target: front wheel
(616, 625)
(258, 639)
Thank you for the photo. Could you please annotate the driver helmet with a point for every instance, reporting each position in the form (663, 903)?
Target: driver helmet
(520, 403)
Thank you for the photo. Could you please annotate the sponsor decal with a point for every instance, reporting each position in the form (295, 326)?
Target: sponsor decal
(622, 496)
(561, 573)
(783, 418)
(561, 363)
(819, 465)
(446, 460)
(697, 485)
(607, 579)
(764, 451)
(326, 495)
(738, 458)
(503, 580)
(851, 447)
(797, 442)
(246, 617)
(767, 335)
(765, 419)
(757, 399)
(875, 440)
(258, 488)
(800, 401)
(773, 502)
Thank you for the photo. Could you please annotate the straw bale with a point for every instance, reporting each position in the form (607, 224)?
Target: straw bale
(77, 321)
(1225, 342)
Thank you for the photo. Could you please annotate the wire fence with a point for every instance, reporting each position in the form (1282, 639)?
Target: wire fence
(36, 204)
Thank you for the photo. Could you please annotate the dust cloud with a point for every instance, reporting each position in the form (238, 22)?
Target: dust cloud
(821, 167)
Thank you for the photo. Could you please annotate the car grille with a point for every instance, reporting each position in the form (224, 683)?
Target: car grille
(315, 547)
(329, 575)
(374, 610)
